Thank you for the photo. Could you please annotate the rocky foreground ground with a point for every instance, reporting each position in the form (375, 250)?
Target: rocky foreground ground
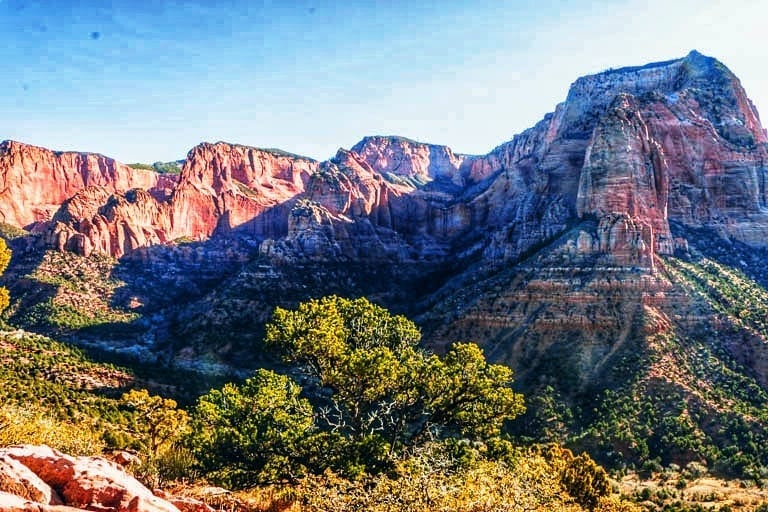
(39, 478)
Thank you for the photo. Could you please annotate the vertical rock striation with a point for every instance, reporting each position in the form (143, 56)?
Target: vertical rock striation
(631, 148)
(35, 181)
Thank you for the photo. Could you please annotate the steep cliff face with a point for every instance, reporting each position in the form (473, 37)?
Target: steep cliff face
(600, 312)
(35, 181)
(231, 187)
(590, 192)
(93, 220)
(632, 148)
(625, 174)
(713, 182)
(531, 197)
(222, 188)
(677, 140)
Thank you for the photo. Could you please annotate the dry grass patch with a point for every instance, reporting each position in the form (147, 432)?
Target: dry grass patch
(711, 493)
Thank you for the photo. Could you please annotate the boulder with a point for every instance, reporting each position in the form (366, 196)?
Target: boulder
(91, 483)
(18, 479)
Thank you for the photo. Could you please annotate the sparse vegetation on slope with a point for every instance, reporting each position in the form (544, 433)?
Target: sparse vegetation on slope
(686, 395)
(160, 167)
(56, 389)
(30, 424)
(316, 461)
(10, 232)
(65, 293)
(697, 394)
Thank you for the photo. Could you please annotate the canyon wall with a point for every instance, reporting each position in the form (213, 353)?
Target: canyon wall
(632, 148)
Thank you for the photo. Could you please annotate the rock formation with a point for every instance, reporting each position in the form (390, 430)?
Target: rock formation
(414, 161)
(676, 140)
(38, 478)
(229, 187)
(35, 181)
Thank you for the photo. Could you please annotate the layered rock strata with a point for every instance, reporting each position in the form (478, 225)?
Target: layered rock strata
(631, 148)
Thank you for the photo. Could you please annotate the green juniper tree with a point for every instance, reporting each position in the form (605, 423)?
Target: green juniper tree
(371, 396)
(252, 433)
(381, 384)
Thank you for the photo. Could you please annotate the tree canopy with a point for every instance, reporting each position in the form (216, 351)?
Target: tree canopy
(250, 433)
(378, 382)
(5, 259)
(369, 396)
(158, 421)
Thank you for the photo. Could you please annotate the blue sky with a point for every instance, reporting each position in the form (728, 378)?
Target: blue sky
(146, 80)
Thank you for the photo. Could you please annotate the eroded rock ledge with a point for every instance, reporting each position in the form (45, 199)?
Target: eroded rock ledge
(39, 478)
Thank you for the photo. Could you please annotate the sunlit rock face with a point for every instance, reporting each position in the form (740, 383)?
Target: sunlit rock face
(677, 141)
(35, 181)
(631, 148)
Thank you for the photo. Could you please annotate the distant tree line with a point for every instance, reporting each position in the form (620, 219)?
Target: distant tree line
(160, 167)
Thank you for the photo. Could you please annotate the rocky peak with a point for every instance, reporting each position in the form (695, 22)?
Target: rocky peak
(229, 187)
(718, 90)
(417, 162)
(346, 185)
(222, 166)
(670, 140)
(35, 181)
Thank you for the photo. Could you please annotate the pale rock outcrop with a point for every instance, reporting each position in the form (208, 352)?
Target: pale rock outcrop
(17, 478)
(89, 483)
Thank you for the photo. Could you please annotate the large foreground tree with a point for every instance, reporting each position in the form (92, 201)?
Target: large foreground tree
(373, 381)
(370, 395)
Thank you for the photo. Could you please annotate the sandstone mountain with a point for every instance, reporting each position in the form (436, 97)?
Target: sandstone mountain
(633, 148)
(36, 181)
(612, 254)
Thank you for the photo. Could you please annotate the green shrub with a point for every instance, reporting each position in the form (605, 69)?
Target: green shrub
(253, 433)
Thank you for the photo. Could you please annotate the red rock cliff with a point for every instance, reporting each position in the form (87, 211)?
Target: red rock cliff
(35, 181)
(631, 148)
